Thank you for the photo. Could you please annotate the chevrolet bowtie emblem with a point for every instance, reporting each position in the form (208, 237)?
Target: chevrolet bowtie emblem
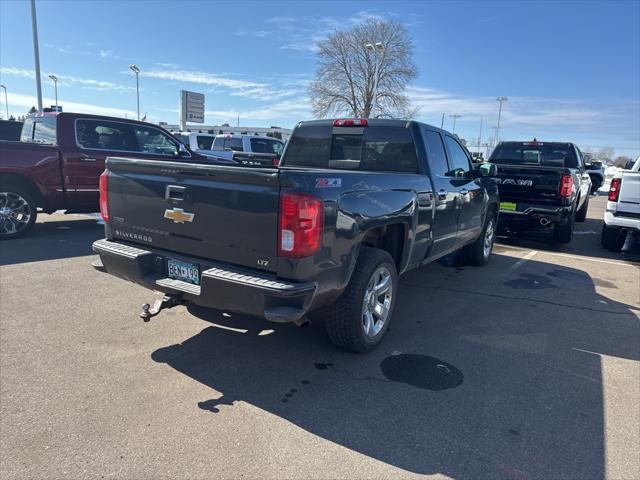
(178, 215)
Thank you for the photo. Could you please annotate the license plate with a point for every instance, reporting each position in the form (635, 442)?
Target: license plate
(187, 272)
(508, 206)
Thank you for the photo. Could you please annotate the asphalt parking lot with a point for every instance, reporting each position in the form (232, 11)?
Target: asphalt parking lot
(527, 368)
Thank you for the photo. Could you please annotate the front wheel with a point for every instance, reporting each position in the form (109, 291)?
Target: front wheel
(479, 252)
(361, 316)
(17, 212)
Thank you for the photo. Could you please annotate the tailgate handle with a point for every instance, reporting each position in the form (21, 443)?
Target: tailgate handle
(178, 193)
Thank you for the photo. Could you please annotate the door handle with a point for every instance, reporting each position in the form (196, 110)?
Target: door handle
(464, 192)
(87, 159)
(442, 194)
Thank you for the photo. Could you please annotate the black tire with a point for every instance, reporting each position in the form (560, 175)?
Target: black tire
(475, 253)
(11, 196)
(344, 320)
(564, 233)
(611, 239)
(581, 216)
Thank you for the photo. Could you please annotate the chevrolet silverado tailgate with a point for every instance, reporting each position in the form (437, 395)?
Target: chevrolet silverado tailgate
(229, 214)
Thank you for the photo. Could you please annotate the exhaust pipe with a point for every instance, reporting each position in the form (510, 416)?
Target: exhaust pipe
(544, 221)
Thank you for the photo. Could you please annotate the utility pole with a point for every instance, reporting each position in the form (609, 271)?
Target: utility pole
(55, 85)
(135, 69)
(455, 117)
(378, 50)
(6, 102)
(36, 52)
(500, 101)
(480, 134)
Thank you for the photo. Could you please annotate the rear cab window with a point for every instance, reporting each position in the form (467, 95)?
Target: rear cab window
(266, 145)
(535, 153)
(369, 148)
(39, 130)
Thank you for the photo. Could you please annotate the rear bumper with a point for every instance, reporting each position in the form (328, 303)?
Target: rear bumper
(222, 287)
(531, 215)
(619, 220)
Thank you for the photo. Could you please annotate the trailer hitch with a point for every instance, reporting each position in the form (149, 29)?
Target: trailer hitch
(167, 301)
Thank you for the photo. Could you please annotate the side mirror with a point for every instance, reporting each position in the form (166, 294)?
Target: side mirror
(182, 151)
(488, 170)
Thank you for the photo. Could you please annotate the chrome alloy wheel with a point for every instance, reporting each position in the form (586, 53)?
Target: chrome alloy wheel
(377, 302)
(15, 213)
(489, 236)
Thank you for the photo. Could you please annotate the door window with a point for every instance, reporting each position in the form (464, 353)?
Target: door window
(437, 156)
(44, 130)
(266, 145)
(204, 142)
(105, 135)
(152, 140)
(460, 165)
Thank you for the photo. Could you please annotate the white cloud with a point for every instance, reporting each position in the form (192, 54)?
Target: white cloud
(108, 54)
(25, 102)
(69, 80)
(239, 88)
(288, 112)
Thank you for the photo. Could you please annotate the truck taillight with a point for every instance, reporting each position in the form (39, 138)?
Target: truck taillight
(350, 122)
(275, 161)
(614, 189)
(566, 186)
(300, 225)
(104, 203)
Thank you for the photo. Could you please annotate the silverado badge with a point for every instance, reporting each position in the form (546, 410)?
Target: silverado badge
(178, 215)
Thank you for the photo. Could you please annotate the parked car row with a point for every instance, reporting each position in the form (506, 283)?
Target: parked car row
(325, 231)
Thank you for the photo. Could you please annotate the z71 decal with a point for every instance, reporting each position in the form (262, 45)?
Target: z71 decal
(328, 182)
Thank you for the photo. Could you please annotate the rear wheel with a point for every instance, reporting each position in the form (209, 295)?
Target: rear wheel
(563, 233)
(479, 252)
(611, 239)
(581, 216)
(17, 212)
(361, 316)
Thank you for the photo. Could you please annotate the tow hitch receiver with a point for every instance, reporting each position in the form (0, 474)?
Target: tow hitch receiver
(167, 301)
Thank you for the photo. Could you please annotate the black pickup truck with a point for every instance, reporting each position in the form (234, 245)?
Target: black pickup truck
(353, 204)
(543, 185)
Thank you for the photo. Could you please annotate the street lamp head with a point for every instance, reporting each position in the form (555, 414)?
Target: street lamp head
(502, 99)
(134, 69)
(380, 46)
(2, 86)
(370, 47)
(53, 77)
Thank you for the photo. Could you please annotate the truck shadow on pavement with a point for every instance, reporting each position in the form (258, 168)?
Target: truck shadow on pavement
(52, 239)
(475, 379)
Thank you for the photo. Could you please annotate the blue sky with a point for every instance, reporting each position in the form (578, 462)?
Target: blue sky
(571, 70)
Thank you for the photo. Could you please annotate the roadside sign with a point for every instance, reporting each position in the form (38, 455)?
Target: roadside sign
(191, 107)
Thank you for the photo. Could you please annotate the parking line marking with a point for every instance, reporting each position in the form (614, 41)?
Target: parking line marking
(572, 256)
(521, 262)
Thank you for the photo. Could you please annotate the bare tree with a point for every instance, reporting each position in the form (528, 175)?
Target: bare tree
(621, 161)
(363, 71)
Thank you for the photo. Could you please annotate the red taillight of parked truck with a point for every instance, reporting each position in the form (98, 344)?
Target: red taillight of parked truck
(104, 203)
(300, 225)
(614, 189)
(566, 186)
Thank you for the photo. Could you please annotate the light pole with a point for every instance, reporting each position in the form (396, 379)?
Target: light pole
(136, 70)
(455, 117)
(6, 102)
(36, 53)
(500, 101)
(377, 49)
(55, 86)
(480, 134)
